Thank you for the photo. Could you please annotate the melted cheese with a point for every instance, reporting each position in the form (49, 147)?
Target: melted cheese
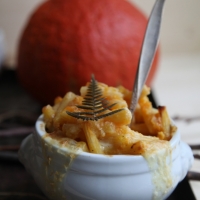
(160, 163)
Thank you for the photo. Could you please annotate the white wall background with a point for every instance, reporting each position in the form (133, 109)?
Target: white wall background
(180, 31)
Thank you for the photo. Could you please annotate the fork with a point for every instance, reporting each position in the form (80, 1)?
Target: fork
(147, 53)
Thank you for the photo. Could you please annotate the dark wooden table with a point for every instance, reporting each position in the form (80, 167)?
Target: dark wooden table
(18, 113)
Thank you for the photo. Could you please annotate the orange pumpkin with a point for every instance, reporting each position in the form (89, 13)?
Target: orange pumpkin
(65, 41)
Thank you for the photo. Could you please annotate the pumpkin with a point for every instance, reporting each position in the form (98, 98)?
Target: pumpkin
(65, 41)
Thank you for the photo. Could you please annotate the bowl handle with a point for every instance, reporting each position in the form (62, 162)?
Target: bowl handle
(186, 158)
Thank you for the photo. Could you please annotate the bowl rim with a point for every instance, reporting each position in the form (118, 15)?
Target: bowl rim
(40, 131)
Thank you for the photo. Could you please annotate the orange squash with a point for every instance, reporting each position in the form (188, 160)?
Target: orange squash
(65, 41)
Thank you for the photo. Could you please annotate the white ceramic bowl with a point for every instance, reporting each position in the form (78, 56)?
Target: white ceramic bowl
(63, 174)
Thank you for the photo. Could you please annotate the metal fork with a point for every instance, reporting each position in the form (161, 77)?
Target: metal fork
(147, 53)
